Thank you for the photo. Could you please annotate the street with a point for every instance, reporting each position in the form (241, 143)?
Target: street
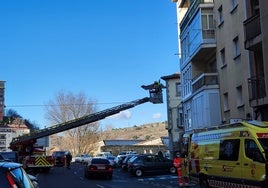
(74, 177)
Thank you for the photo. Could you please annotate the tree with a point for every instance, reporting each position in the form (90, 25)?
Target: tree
(12, 117)
(68, 106)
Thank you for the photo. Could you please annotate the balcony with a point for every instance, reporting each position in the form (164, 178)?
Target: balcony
(205, 81)
(257, 89)
(252, 29)
(191, 10)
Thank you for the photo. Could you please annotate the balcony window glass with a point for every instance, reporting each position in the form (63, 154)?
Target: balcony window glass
(207, 26)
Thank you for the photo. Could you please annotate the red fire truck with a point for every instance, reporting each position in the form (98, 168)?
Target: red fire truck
(33, 157)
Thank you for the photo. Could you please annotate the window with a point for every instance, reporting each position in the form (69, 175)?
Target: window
(229, 149)
(207, 25)
(180, 117)
(233, 4)
(239, 95)
(178, 89)
(222, 54)
(220, 15)
(225, 102)
(236, 47)
(252, 151)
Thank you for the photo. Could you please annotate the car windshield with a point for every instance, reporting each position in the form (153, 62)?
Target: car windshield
(264, 143)
(21, 177)
(132, 159)
(9, 156)
(59, 153)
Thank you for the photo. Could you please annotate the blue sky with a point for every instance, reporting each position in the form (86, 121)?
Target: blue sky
(106, 49)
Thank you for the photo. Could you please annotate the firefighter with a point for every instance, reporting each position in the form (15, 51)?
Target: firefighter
(178, 162)
(68, 159)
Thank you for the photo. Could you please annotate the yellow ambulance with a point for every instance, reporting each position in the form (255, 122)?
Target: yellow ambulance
(229, 156)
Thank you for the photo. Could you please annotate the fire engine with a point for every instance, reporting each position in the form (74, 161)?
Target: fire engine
(35, 158)
(231, 155)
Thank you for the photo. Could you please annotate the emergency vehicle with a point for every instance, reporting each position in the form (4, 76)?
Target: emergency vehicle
(227, 156)
(34, 158)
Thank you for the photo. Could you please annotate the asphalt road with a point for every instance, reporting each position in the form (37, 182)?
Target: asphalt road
(61, 177)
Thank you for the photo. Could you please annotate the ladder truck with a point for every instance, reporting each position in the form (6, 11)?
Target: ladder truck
(34, 158)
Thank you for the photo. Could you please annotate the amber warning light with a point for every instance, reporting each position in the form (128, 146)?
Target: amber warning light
(262, 135)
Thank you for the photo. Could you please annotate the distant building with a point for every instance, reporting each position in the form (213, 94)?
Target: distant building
(2, 100)
(8, 132)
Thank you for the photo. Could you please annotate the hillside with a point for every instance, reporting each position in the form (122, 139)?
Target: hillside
(143, 132)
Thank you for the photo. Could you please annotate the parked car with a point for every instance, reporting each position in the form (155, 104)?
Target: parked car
(124, 164)
(9, 156)
(13, 175)
(150, 163)
(113, 160)
(103, 154)
(98, 167)
(122, 155)
(60, 157)
(84, 158)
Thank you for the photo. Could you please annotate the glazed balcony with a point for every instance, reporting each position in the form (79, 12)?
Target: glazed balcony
(205, 81)
(252, 29)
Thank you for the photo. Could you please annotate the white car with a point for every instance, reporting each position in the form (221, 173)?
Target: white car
(84, 158)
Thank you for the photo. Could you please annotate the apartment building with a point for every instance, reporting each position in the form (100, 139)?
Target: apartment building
(199, 75)
(223, 61)
(174, 111)
(256, 43)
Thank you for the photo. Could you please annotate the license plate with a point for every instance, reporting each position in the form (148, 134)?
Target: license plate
(101, 167)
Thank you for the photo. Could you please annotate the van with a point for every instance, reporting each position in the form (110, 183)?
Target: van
(234, 155)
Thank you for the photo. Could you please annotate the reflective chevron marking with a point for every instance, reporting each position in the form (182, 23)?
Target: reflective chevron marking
(42, 161)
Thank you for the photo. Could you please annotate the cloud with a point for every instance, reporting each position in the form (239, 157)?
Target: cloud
(121, 115)
(157, 115)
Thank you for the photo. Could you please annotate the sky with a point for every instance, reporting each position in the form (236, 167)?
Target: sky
(105, 49)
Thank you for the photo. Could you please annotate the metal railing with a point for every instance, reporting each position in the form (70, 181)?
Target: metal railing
(256, 85)
(205, 79)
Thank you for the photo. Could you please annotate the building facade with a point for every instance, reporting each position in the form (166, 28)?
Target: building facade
(223, 61)
(174, 111)
(256, 43)
(199, 76)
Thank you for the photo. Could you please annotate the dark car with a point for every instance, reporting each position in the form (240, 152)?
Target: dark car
(98, 167)
(9, 156)
(13, 175)
(124, 164)
(150, 163)
(60, 157)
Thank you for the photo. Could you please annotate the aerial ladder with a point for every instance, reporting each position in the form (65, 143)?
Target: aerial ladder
(24, 144)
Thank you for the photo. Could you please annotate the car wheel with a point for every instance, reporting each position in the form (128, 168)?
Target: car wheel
(172, 170)
(138, 172)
